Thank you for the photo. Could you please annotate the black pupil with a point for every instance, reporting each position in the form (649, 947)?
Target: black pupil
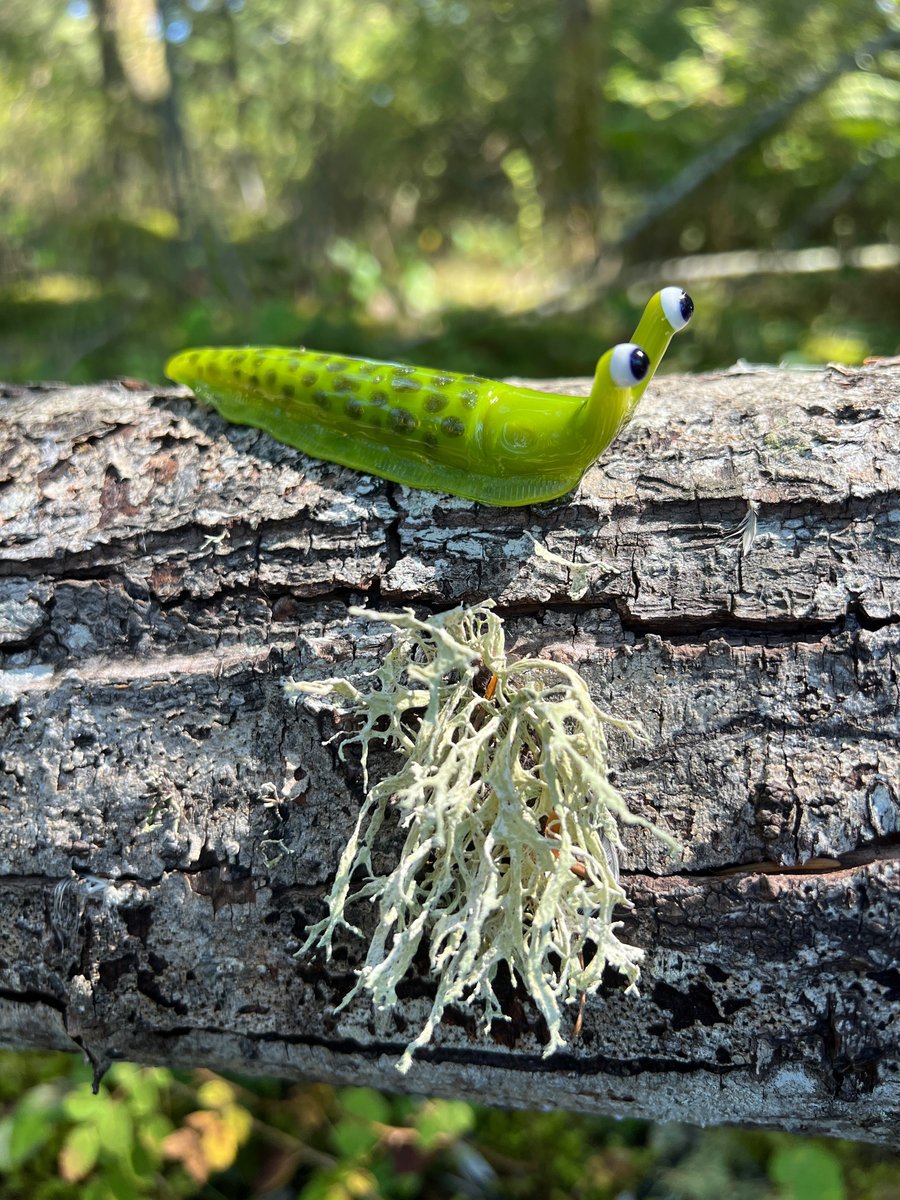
(687, 306)
(639, 362)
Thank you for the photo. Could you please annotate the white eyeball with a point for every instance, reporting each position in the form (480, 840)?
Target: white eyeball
(677, 306)
(628, 364)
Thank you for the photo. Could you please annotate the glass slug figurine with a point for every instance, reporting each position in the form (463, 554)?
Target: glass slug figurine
(481, 439)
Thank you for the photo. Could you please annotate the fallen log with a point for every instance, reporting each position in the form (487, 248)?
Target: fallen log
(169, 825)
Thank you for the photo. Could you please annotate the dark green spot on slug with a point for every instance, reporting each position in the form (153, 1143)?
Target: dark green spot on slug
(404, 370)
(435, 403)
(237, 358)
(253, 379)
(293, 364)
(442, 380)
(354, 408)
(469, 397)
(430, 439)
(453, 427)
(337, 366)
(346, 384)
(270, 378)
(321, 399)
(379, 399)
(401, 420)
(287, 390)
(309, 378)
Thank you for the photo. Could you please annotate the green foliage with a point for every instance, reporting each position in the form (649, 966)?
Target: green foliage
(150, 1132)
(55, 1135)
(408, 179)
(807, 1172)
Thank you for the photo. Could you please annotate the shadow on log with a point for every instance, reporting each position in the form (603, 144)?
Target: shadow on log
(169, 826)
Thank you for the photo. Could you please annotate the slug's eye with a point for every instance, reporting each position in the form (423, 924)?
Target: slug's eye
(677, 306)
(628, 364)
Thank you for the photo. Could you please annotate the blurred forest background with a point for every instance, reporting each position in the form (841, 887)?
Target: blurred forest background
(488, 185)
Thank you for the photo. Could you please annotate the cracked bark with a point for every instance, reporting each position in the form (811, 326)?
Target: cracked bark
(169, 825)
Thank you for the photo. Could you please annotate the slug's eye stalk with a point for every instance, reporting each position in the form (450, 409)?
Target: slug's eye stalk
(623, 373)
(628, 365)
(677, 307)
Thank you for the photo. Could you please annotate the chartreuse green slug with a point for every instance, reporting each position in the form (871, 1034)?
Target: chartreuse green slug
(477, 438)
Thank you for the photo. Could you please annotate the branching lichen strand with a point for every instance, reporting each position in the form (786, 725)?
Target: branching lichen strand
(511, 823)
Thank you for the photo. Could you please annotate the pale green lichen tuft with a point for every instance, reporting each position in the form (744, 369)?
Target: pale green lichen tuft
(500, 799)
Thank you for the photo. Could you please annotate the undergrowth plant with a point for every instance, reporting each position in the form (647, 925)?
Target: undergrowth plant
(511, 823)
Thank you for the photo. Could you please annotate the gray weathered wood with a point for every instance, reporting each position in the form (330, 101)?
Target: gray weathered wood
(168, 825)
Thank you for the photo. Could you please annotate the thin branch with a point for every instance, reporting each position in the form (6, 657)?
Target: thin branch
(580, 289)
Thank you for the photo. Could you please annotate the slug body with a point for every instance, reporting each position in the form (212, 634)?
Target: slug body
(477, 438)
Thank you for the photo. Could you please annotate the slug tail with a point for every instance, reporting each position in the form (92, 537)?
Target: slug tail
(197, 369)
(182, 368)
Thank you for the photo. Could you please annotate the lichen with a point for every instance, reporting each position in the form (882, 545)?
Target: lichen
(511, 823)
(579, 573)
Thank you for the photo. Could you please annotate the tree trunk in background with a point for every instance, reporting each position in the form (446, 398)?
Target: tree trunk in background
(135, 81)
(580, 115)
(169, 826)
(176, 154)
(318, 204)
(119, 110)
(114, 81)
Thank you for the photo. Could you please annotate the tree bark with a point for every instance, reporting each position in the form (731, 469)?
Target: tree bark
(169, 825)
